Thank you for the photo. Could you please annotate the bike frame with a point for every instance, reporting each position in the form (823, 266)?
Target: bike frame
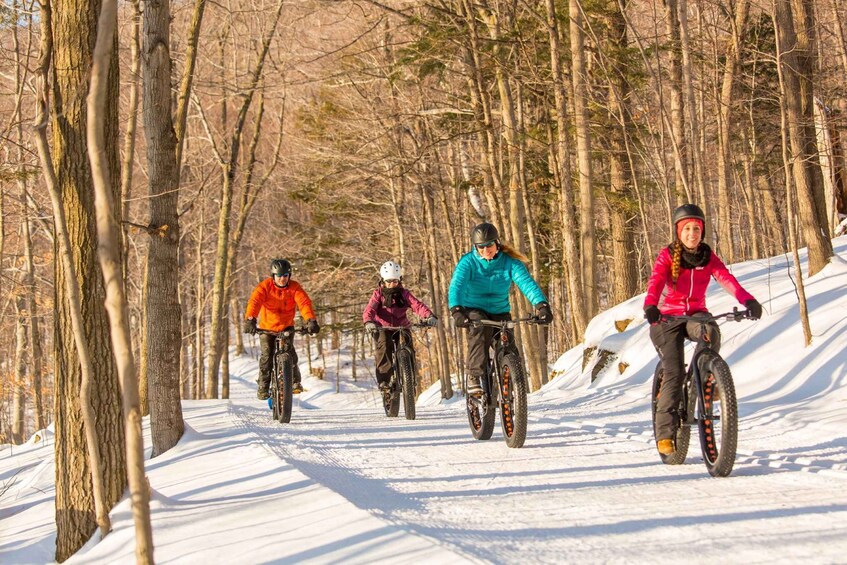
(402, 339)
(502, 342)
(693, 372)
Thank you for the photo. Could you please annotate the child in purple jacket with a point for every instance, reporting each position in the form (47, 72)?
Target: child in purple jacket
(387, 307)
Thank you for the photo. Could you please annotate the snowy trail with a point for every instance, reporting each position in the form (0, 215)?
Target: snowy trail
(580, 490)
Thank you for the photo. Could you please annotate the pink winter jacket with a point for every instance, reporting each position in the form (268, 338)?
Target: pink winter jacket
(688, 295)
(379, 313)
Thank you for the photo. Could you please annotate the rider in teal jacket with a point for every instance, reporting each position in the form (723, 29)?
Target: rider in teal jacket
(479, 290)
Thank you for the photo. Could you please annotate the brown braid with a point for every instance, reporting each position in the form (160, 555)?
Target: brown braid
(677, 259)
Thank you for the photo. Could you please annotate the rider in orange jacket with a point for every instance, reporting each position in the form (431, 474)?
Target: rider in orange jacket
(272, 303)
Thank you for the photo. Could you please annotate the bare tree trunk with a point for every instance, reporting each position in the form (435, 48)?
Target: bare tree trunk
(19, 383)
(621, 215)
(570, 255)
(804, 163)
(71, 27)
(100, 138)
(690, 104)
(683, 189)
(229, 168)
(726, 246)
(131, 124)
(162, 309)
(579, 77)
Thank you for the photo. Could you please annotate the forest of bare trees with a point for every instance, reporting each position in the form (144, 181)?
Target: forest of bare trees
(341, 134)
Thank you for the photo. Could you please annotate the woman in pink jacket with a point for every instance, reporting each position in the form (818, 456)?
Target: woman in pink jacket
(387, 307)
(677, 287)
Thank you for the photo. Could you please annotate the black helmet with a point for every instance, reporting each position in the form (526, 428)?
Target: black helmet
(689, 211)
(280, 267)
(484, 233)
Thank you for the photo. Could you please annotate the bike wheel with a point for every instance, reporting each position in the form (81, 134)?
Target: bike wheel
(719, 422)
(285, 387)
(273, 391)
(682, 436)
(513, 409)
(480, 415)
(408, 381)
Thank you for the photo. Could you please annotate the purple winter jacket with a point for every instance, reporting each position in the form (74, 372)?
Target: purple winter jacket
(386, 315)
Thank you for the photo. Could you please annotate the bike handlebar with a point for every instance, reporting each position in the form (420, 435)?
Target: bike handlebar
(505, 323)
(395, 328)
(735, 316)
(287, 331)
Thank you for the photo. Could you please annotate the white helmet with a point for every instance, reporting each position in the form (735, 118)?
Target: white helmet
(390, 270)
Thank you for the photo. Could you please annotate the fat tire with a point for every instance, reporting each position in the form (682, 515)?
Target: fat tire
(286, 381)
(408, 381)
(513, 407)
(480, 416)
(682, 437)
(718, 437)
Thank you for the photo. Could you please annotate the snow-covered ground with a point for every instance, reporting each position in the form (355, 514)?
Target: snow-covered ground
(343, 483)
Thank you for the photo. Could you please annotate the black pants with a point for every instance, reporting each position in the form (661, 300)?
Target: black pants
(386, 345)
(669, 339)
(479, 340)
(268, 343)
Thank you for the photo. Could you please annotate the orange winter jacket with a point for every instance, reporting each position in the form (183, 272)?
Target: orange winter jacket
(274, 306)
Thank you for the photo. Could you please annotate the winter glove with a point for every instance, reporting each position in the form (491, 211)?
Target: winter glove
(432, 321)
(545, 315)
(652, 314)
(312, 327)
(459, 317)
(370, 327)
(754, 307)
(250, 326)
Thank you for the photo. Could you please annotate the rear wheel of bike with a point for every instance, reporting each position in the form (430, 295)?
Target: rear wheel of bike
(407, 378)
(719, 422)
(480, 415)
(513, 410)
(285, 380)
(686, 408)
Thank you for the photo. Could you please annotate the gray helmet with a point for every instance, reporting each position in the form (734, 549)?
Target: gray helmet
(484, 233)
(280, 267)
(689, 211)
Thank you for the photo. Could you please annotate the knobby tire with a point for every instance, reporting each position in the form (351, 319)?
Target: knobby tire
(285, 389)
(513, 408)
(719, 424)
(408, 381)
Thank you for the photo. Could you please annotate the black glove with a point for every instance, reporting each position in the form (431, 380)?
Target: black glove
(370, 327)
(312, 327)
(545, 315)
(652, 314)
(459, 317)
(432, 321)
(250, 326)
(754, 307)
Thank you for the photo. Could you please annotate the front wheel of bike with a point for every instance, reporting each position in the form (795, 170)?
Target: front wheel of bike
(682, 436)
(719, 422)
(407, 378)
(513, 409)
(285, 384)
(480, 415)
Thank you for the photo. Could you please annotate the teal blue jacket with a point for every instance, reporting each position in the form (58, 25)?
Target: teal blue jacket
(485, 285)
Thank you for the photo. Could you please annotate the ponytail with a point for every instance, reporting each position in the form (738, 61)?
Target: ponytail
(513, 253)
(676, 255)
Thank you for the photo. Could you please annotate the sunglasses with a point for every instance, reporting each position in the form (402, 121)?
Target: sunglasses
(282, 275)
(485, 245)
(392, 281)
